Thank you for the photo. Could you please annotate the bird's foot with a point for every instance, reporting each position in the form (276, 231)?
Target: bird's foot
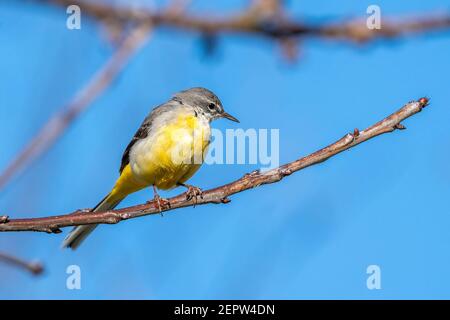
(193, 193)
(160, 203)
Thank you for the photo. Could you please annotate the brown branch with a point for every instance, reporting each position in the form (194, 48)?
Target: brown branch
(35, 268)
(220, 194)
(256, 20)
(57, 124)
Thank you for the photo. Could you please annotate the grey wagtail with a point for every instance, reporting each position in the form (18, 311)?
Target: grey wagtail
(165, 152)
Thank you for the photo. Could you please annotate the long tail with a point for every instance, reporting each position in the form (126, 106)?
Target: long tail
(78, 234)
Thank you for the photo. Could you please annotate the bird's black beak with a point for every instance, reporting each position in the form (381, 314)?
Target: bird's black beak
(229, 117)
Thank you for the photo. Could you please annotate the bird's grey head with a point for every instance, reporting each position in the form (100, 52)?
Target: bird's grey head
(205, 102)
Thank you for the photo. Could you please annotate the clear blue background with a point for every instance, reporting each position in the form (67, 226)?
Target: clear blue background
(311, 236)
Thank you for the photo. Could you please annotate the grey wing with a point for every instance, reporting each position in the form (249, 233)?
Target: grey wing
(144, 129)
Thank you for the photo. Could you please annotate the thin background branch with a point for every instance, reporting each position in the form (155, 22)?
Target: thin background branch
(34, 268)
(57, 124)
(266, 18)
(220, 194)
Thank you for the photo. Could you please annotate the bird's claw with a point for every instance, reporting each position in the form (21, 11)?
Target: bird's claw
(194, 192)
(161, 203)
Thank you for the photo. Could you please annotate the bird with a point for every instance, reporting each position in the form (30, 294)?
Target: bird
(166, 151)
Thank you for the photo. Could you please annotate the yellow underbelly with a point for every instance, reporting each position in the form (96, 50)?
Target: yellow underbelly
(172, 154)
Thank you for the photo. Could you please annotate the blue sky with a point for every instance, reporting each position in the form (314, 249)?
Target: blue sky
(311, 236)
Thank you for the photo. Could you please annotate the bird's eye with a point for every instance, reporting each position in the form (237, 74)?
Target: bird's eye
(212, 106)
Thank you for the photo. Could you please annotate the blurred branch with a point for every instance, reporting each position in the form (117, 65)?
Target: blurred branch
(34, 267)
(218, 195)
(263, 17)
(57, 124)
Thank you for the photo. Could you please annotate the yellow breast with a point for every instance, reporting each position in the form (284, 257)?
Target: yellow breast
(173, 152)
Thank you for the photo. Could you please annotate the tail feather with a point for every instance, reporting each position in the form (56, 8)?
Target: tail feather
(78, 234)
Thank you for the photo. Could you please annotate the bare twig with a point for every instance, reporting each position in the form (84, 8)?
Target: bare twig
(56, 125)
(220, 194)
(256, 21)
(35, 268)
